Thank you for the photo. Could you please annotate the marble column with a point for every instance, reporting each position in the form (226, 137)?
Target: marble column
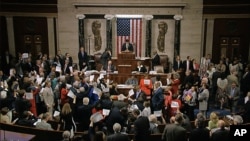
(148, 43)
(177, 19)
(80, 18)
(109, 31)
(11, 37)
(51, 36)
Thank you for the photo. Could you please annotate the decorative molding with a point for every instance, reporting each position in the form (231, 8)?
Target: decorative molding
(80, 16)
(109, 16)
(136, 5)
(178, 17)
(148, 17)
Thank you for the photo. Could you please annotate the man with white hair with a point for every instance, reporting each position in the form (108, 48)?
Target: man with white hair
(120, 102)
(83, 114)
(117, 136)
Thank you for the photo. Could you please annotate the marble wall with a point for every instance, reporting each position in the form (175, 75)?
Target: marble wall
(191, 24)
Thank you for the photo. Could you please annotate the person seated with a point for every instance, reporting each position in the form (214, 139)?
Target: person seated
(109, 67)
(43, 124)
(140, 67)
(132, 81)
(213, 121)
(27, 119)
(127, 47)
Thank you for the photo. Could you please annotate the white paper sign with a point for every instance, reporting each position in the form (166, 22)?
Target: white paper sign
(146, 81)
(39, 80)
(158, 113)
(91, 77)
(56, 113)
(174, 104)
(131, 92)
(105, 112)
(58, 69)
(25, 55)
(71, 94)
(96, 117)
(28, 96)
(71, 69)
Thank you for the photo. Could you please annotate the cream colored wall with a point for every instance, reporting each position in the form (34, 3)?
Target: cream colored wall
(191, 24)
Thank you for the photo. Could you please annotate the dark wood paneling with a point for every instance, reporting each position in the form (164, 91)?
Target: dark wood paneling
(3, 32)
(231, 28)
(34, 6)
(30, 26)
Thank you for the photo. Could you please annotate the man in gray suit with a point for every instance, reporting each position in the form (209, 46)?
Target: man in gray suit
(43, 124)
(233, 93)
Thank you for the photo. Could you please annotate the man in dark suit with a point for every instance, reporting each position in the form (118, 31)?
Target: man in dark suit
(109, 67)
(21, 104)
(116, 116)
(200, 132)
(6, 62)
(245, 81)
(177, 65)
(141, 127)
(187, 65)
(83, 58)
(175, 131)
(117, 136)
(140, 67)
(220, 134)
(155, 59)
(157, 98)
(138, 97)
(128, 47)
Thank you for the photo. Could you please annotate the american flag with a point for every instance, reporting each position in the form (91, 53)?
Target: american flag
(129, 28)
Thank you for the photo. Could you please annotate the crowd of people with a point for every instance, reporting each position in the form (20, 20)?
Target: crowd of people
(37, 89)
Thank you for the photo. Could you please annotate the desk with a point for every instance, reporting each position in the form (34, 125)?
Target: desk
(14, 136)
(121, 78)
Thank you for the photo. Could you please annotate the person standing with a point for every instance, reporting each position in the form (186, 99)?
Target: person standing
(83, 58)
(117, 136)
(203, 99)
(157, 98)
(105, 57)
(141, 127)
(127, 46)
(175, 131)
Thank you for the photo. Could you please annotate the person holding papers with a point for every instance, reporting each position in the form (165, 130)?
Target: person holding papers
(146, 86)
(137, 96)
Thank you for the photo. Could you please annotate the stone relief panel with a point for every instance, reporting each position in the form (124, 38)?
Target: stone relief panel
(95, 35)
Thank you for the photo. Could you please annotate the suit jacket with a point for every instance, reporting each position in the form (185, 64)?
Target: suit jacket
(28, 67)
(199, 134)
(118, 137)
(174, 132)
(221, 135)
(203, 99)
(112, 68)
(120, 104)
(130, 47)
(236, 94)
(104, 58)
(156, 61)
(157, 99)
(176, 66)
(190, 65)
(244, 84)
(141, 68)
(141, 127)
(83, 59)
(44, 125)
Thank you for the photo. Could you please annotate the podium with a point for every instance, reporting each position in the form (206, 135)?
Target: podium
(126, 62)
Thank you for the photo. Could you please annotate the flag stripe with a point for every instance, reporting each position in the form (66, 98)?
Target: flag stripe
(129, 29)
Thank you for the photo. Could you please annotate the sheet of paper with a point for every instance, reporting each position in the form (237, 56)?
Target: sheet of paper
(39, 80)
(105, 112)
(71, 94)
(131, 92)
(25, 55)
(28, 95)
(91, 77)
(174, 104)
(96, 117)
(158, 113)
(58, 69)
(146, 81)
(56, 113)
